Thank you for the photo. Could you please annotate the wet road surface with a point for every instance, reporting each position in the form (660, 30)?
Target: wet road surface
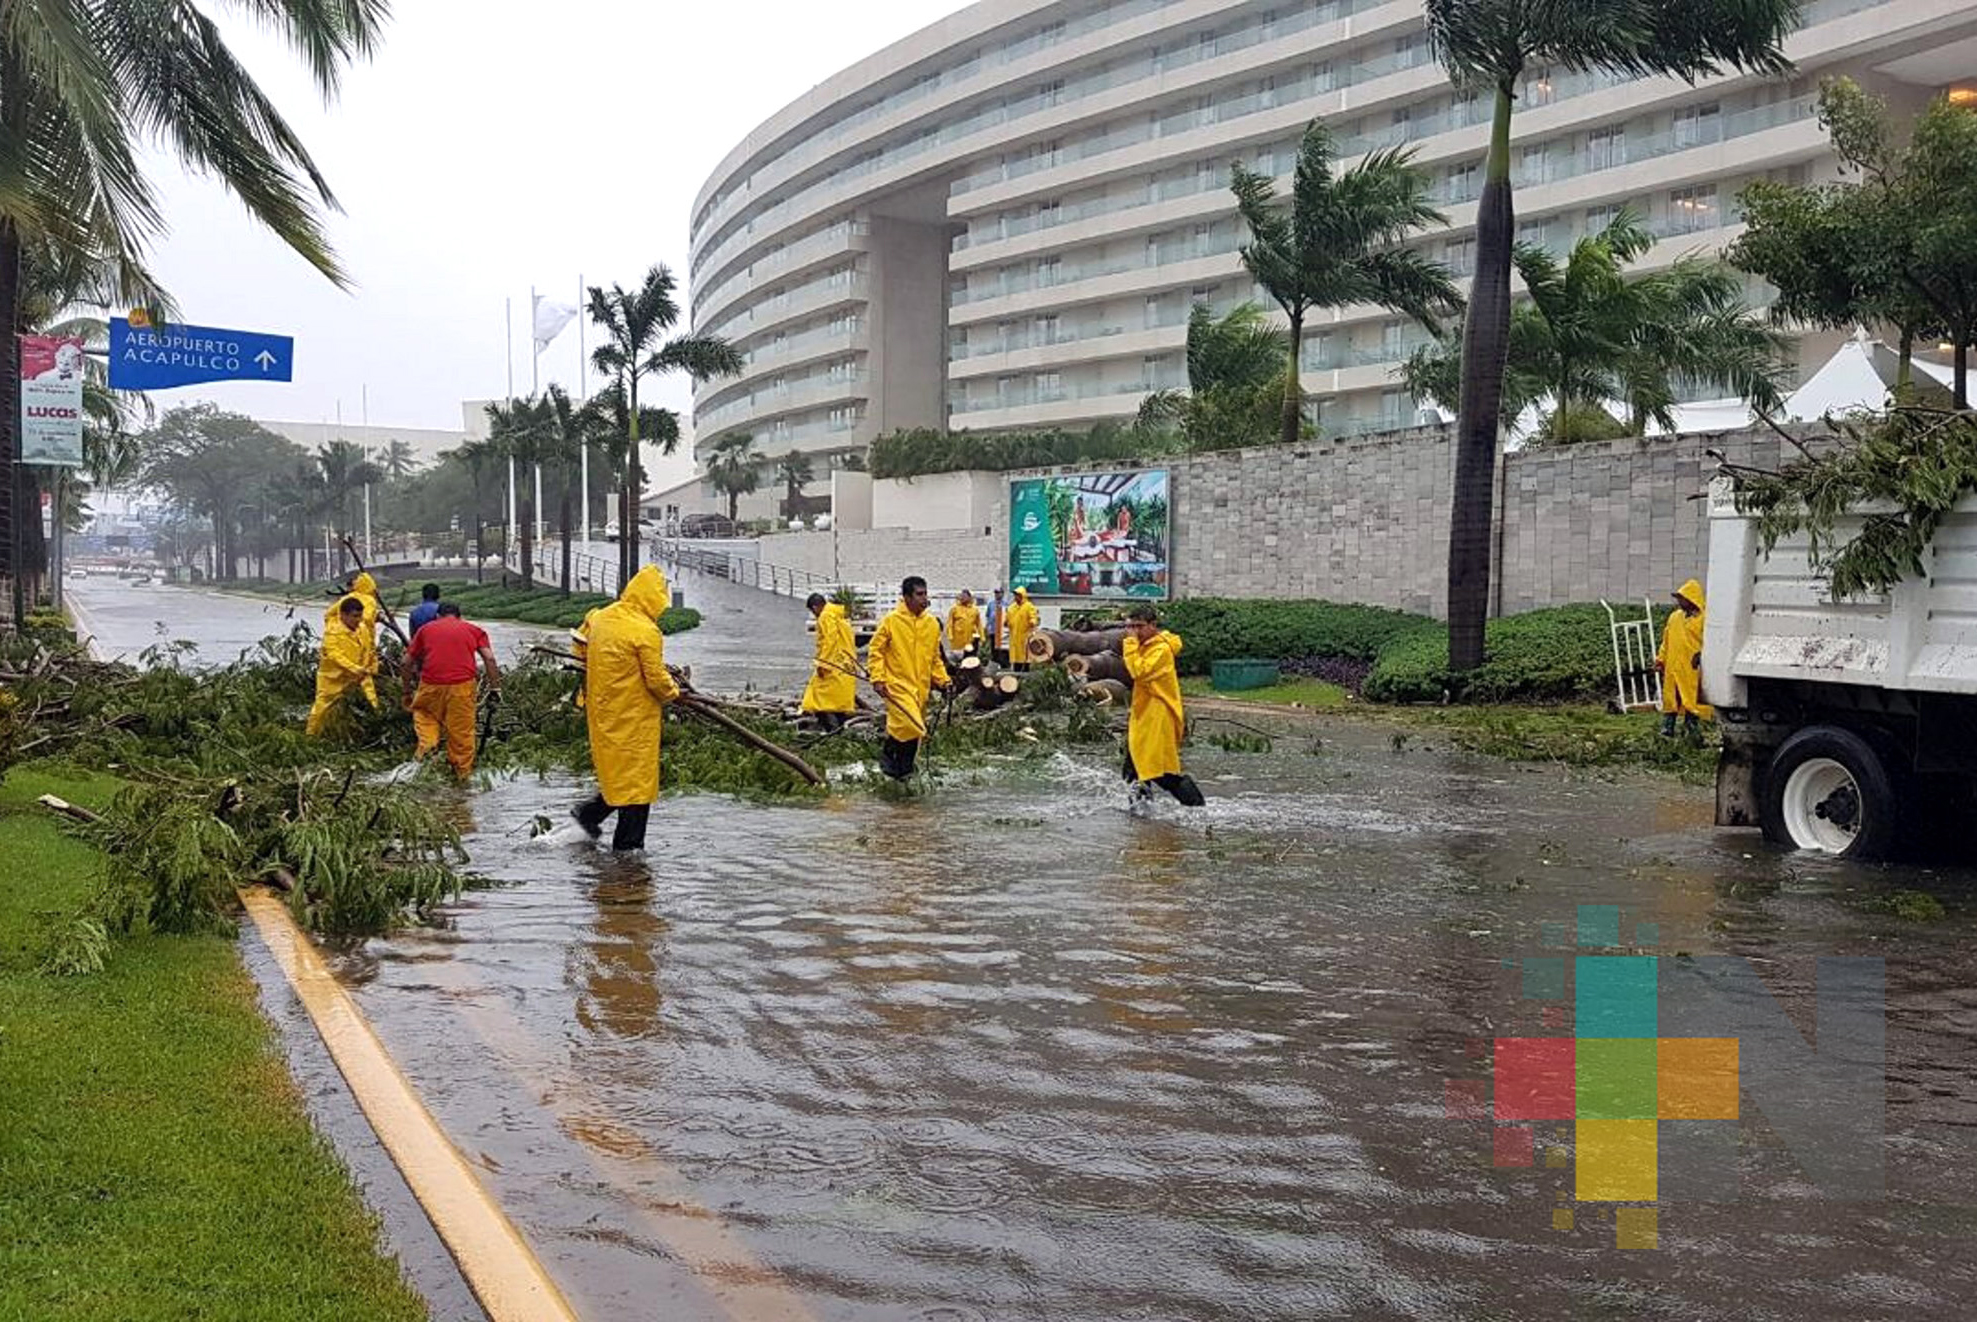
(1009, 1052)
(749, 639)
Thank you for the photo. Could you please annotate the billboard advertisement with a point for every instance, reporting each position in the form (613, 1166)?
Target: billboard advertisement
(51, 400)
(1101, 535)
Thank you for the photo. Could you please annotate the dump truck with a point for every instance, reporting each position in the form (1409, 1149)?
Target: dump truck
(1849, 726)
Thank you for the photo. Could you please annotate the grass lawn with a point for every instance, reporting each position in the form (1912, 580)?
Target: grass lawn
(478, 601)
(155, 1161)
(1313, 693)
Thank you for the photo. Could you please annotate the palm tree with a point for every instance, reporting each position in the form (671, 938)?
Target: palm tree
(90, 85)
(1487, 45)
(517, 430)
(295, 495)
(608, 426)
(477, 457)
(1338, 244)
(398, 461)
(565, 433)
(731, 469)
(346, 471)
(1235, 381)
(1587, 334)
(635, 324)
(795, 472)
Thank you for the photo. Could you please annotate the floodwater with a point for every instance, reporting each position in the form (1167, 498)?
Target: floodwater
(749, 639)
(1006, 1051)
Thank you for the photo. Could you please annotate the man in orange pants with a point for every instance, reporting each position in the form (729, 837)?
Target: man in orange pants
(440, 666)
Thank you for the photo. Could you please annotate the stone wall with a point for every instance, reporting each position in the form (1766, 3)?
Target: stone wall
(1367, 521)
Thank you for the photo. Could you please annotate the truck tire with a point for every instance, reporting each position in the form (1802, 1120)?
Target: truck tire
(1828, 791)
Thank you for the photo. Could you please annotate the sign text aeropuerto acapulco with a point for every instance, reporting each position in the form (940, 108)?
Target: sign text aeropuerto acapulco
(182, 351)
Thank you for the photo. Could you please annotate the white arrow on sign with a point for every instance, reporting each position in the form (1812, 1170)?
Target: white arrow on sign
(265, 359)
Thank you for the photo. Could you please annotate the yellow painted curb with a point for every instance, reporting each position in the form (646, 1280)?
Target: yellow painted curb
(500, 1267)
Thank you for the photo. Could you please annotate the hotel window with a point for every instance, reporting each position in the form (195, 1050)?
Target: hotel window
(1536, 233)
(1050, 386)
(1691, 210)
(1462, 182)
(1536, 164)
(1046, 330)
(1606, 148)
(1460, 256)
(1540, 89)
(1395, 406)
(1699, 124)
(1323, 78)
(1050, 270)
(1598, 218)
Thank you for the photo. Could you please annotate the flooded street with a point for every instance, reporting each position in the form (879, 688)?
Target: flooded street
(1008, 1052)
(749, 639)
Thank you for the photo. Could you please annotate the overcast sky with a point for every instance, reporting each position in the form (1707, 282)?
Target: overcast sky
(493, 145)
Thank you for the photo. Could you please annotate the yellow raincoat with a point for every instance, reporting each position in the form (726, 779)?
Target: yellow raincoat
(834, 680)
(964, 626)
(1153, 734)
(346, 664)
(365, 589)
(1022, 623)
(905, 657)
(1681, 658)
(626, 688)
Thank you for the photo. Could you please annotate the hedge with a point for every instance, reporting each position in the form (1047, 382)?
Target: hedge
(1216, 628)
(1561, 654)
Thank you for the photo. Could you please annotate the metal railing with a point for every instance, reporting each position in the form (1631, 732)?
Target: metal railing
(743, 570)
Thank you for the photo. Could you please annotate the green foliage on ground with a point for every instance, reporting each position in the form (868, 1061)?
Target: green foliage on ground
(1561, 654)
(1577, 736)
(1216, 628)
(155, 1162)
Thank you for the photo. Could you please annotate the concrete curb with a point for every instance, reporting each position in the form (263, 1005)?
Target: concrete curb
(498, 1264)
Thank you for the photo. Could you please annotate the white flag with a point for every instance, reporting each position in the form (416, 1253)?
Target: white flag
(551, 318)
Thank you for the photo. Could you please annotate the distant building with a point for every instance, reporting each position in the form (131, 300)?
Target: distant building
(1002, 221)
(427, 443)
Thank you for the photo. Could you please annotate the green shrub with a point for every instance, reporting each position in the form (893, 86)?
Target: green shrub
(1554, 655)
(924, 450)
(1218, 628)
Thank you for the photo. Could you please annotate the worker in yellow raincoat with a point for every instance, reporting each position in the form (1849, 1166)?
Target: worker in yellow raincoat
(832, 694)
(1023, 617)
(905, 664)
(346, 662)
(964, 625)
(365, 589)
(1154, 731)
(1680, 664)
(626, 689)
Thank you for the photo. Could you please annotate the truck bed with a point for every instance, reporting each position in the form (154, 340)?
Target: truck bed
(1773, 618)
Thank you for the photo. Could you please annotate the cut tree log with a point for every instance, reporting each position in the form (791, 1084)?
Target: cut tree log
(706, 711)
(1107, 693)
(1052, 644)
(1105, 665)
(1010, 685)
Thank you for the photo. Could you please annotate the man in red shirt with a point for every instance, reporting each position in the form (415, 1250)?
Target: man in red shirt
(440, 666)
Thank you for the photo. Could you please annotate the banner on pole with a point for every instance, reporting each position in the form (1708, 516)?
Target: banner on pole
(51, 400)
(551, 318)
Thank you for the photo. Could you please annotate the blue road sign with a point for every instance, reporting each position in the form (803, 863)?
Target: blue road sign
(161, 357)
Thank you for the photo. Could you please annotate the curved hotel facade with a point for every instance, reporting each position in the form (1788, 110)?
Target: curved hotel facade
(1002, 221)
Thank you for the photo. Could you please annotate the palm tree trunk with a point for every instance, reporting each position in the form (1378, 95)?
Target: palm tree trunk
(479, 553)
(1905, 364)
(563, 513)
(11, 506)
(527, 520)
(628, 499)
(1962, 377)
(1293, 418)
(1485, 348)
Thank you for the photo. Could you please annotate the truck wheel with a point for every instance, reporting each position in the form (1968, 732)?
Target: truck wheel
(1827, 790)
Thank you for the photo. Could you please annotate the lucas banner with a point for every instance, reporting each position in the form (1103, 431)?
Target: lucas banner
(51, 400)
(1090, 535)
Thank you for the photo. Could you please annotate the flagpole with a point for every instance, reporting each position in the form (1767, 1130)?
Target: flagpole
(583, 397)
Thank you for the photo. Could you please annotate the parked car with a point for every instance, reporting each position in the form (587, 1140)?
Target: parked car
(707, 525)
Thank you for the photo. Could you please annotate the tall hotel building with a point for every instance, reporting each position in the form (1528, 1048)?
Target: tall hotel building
(1002, 221)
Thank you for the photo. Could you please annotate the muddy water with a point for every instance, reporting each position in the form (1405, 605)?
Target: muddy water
(1008, 1052)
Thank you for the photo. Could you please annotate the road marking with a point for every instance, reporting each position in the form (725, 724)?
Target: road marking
(499, 1266)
